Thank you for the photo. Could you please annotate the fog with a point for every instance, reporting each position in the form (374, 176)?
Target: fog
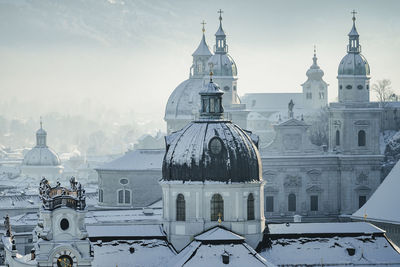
(116, 62)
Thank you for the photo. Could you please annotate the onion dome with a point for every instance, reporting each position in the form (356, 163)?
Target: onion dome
(315, 72)
(41, 154)
(354, 63)
(212, 148)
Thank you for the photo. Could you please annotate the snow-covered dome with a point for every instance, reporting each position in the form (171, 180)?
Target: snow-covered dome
(354, 64)
(184, 101)
(223, 65)
(41, 154)
(212, 148)
(315, 72)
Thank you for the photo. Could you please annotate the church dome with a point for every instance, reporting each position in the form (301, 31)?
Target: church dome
(211, 148)
(41, 154)
(315, 72)
(184, 102)
(354, 64)
(223, 65)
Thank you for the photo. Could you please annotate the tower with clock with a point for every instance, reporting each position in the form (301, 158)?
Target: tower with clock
(61, 238)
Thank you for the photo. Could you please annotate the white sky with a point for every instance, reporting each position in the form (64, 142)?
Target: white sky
(131, 55)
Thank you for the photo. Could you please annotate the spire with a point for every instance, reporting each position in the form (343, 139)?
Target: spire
(315, 72)
(354, 43)
(315, 65)
(220, 37)
(202, 49)
(41, 123)
(211, 100)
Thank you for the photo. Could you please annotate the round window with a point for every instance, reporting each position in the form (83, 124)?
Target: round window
(124, 181)
(64, 260)
(359, 87)
(64, 224)
(215, 146)
(349, 86)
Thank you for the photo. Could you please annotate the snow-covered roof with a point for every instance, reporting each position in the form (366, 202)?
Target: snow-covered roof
(333, 251)
(202, 49)
(152, 253)
(140, 159)
(382, 206)
(324, 228)
(125, 231)
(218, 234)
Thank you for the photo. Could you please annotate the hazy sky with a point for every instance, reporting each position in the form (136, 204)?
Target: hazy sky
(130, 55)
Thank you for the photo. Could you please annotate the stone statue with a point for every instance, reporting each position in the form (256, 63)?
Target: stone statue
(290, 107)
(7, 225)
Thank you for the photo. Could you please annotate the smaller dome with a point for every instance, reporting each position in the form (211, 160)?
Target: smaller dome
(41, 156)
(354, 64)
(223, 65)
(41, 131)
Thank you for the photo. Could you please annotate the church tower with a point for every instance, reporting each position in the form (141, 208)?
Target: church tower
(354, 122)
(61, 236)
(224, 67)
(315, 89)
(353, 73)
(200, 58)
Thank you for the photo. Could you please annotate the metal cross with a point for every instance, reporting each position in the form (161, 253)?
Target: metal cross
(203, 25)
(220, 14)
(354, 14)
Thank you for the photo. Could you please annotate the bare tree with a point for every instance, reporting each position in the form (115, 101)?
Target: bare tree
(383, 91)
(319, 127)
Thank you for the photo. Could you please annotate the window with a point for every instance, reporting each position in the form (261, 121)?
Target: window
(100, 195)
(361, 201)
(349, 87)
(217, 207)
(226, 88)
(292, 202)
(321, 95)
(359, 87)
(340, 87)
(314, 203)
(180, 208)
(337, 138)
(253, 103)
(212, 110)
(123, 181)
(250, 207)
(308, 95)
(124, 196)
(215, 146)
(269, 204)
(361, 138)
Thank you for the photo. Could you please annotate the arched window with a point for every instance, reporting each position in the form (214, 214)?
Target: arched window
(180, 208)
(292, 202)
(217, 207)
(337, 138)
(100, 195)
(361, 138)
(124, 196)
(250, 207)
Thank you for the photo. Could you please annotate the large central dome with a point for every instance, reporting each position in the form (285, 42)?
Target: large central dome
(211, 148)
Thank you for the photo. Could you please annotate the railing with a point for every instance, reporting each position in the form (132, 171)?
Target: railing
(64, 201)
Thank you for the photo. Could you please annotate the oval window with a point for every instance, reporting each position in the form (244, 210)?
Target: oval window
(124, 181)
(349, 86)
(226, 88)
(359, 87)
(340, 86)
(215, 146)
(64, 224)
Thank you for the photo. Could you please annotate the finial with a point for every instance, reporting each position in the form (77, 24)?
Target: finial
(315, 51)
(219, 217)
(220, 15)
(211, 65)
(203, 26)
(41, 123)
(354, 15)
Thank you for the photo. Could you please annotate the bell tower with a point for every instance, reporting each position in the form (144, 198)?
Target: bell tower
(61, 237)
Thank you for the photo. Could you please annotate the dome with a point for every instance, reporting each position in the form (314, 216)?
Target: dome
(214, 151)
(223, 65)
(354, 64)
(41, 156)
(184, 102)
